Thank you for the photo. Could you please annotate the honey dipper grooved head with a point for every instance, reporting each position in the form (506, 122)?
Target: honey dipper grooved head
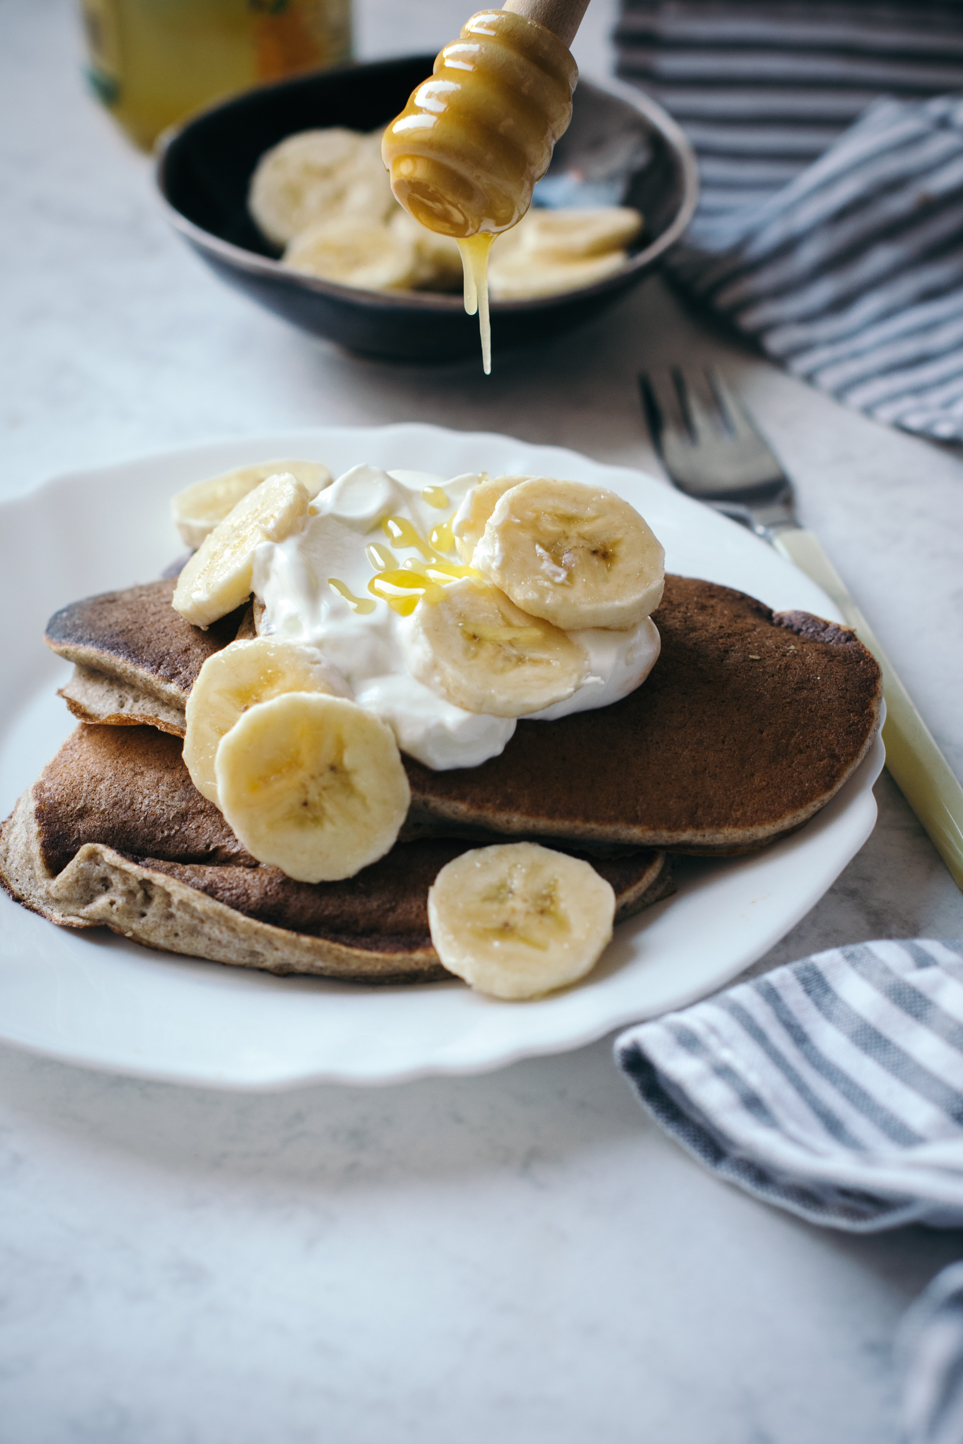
(467, 149)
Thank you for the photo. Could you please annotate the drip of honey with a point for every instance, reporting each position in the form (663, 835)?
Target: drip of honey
(435, 496)
(467, 149)
(442, 537)
(400, 531)
(474, 262)
(403, 590)
(381, 558)
(362, 605)
(421, 578)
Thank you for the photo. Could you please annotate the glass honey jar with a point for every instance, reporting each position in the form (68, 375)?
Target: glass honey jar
(152, 62)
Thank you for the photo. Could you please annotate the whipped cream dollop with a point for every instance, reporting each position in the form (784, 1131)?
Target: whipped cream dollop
(376, 526)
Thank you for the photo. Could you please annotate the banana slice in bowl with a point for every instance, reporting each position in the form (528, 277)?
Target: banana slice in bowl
(577, 556)
(237, 678)
(551, 251)
(521, 277)
(517, 920)
(367, 194)
(312, 784)
(476, 649)
(355, 252)
(312, 173)
(577, 233)
(439, 259)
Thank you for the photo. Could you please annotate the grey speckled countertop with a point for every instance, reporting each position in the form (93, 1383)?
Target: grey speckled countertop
(519, 1256)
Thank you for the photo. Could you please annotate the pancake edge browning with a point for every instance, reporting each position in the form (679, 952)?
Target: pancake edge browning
(110, 686)
(100, 887)
(124, 697)
(430, 807)
(93, 696)
(134, 637)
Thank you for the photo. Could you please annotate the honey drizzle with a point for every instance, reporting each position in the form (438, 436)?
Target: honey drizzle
(474, 263)
(400, 531)
(361, 605)
(381, 558)
(421, 578)
(442, 537)
(434, 496)
(403, 590)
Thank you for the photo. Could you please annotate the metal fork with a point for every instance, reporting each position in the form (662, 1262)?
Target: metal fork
(712, 451)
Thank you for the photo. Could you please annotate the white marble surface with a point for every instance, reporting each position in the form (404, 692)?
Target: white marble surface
(520, 1256)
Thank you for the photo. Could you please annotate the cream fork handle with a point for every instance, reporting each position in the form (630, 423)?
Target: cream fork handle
(917, 765)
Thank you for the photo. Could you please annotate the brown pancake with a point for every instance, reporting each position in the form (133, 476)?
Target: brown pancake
(748, 724)
(135, 637)
(93, 696)
(115, 834)
(120, 695)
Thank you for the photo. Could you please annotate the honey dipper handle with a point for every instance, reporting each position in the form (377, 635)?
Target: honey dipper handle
(562, 17)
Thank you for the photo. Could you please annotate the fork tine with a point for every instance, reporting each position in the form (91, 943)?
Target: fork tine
(666, 419)
(651, 409)
(731, 408)
(708, 446)
(700, 406)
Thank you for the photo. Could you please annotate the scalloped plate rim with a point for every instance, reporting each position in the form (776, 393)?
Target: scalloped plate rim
(56, 987)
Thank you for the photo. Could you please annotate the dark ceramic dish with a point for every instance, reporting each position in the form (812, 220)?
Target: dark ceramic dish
(205, 166)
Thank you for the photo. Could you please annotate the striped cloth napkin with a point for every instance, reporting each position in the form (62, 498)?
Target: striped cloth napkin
(833, 1087)
(830, 225)
(931, 1355)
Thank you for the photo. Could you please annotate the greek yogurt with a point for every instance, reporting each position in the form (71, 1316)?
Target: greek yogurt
(348, 583)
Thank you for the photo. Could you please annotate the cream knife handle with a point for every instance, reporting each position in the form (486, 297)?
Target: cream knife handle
(917, 765)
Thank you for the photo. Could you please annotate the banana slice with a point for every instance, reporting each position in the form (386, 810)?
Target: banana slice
(312, 784)
(355, 252)
(198, 508)
(578, 556)
(520, 276)
(550, 251)
(301, 179)
(367, 194)
(439, 259)
(470, 519)
(573, 234)
(476, 649)
(218, 576)
(517, 919)
(237, 678)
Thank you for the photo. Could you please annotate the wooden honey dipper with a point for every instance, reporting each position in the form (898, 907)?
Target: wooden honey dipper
(467, 149)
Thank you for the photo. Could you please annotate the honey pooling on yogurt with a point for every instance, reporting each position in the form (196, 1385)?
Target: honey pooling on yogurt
(467, 149)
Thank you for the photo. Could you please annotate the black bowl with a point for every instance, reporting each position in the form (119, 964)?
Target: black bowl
(205, 165)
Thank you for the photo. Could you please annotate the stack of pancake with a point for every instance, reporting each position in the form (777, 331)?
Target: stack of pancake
(749, 723)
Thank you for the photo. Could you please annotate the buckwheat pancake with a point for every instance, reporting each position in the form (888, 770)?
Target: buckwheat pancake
(115, 834)
(748, 724)
(136, 659)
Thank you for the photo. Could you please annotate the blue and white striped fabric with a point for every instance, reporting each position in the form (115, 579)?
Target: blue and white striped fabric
(764, 87)
(832, 1086)
(830, 228)
(931, 1356)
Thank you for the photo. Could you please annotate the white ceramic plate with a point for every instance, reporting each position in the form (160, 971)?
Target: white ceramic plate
(95, 999)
